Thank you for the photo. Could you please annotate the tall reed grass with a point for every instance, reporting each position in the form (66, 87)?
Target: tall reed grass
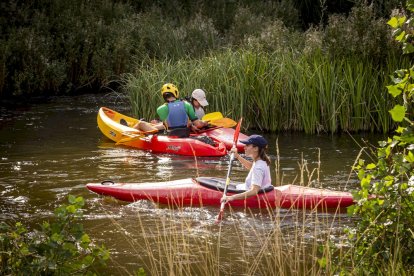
(278, 242)
(278, 91)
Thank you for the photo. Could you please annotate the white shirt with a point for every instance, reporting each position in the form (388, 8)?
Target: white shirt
(199, 112)
(259, 174)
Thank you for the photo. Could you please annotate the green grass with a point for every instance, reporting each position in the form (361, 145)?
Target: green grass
(274, 91)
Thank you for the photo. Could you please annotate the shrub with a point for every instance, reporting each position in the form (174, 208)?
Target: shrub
(60, 247)
(383, 239)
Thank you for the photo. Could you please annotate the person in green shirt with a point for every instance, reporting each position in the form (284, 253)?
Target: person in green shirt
(175, 113)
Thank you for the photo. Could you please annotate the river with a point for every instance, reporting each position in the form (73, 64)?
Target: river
(51, 150)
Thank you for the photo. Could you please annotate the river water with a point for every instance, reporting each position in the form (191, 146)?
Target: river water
(51, 150)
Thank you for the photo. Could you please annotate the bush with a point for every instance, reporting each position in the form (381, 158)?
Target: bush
(61, 247)
(383, 239)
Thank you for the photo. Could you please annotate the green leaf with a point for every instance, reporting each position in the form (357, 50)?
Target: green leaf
(141, 272)
(71, 209)
(400, 36)
(398, 113)
(408, 48)
(410, 157)
(322, 262)
(371, 166)
(410, 5)
(366, 183)
(394, 90)
(393, 22)
(71, 199)
(400, 129)
(85, 238)
(56, 237)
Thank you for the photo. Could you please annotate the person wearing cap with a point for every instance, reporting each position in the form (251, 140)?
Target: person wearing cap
(175, 113)
(259, 174)
(199, 102)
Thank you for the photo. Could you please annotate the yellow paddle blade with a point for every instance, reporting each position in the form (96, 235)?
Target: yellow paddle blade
(212, 116)
(131, 136)
(223, 122)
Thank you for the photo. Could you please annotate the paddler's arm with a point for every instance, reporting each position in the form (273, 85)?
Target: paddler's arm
(193, 117)
(246, 163)
(254, 190)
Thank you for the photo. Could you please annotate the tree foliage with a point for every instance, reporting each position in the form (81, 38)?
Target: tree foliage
(384, 237)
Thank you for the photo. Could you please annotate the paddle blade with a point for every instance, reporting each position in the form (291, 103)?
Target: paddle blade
(130, 138)
(236, 132)
(134, 135)
(212, 116)
(223, 122)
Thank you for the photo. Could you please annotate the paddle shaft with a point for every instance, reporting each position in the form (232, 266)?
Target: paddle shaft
(227, 181)
(235, 138)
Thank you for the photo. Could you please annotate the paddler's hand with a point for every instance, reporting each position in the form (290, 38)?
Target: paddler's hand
(234, 150)
(226, 199)
(194, 128)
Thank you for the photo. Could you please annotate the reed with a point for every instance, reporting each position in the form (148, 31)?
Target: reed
(251, 243)
(274, 91)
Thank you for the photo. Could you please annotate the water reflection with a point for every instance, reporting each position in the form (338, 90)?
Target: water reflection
(52, 150)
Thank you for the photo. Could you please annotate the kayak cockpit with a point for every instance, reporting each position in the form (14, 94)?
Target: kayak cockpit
(219, 184)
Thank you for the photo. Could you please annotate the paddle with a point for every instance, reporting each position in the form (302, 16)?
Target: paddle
(235, 138)
(223, 122)
(212, 116)
(134, 135)
(216, 119)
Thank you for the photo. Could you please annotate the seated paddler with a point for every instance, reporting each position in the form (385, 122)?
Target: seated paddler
(177, 114)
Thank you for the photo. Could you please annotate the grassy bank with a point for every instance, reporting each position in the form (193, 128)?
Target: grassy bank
(277, 91)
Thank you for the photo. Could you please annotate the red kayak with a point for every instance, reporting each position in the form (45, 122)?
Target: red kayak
(225, 135)
(207, 191)
(193, 146)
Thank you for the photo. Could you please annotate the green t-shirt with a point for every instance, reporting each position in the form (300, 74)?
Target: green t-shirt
(162, 111)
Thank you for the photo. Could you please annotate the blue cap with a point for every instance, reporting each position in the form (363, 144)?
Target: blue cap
(256, 140)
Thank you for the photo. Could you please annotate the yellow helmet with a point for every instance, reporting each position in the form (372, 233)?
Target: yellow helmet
(169, 88)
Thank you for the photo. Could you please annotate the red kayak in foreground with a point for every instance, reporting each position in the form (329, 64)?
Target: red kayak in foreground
(207, 191)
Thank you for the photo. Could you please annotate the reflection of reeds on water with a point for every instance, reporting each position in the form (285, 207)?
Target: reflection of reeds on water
(176, 240)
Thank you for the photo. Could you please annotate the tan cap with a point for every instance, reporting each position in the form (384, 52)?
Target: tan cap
(200, 96)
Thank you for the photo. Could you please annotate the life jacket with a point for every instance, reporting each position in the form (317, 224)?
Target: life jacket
(177, 116)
